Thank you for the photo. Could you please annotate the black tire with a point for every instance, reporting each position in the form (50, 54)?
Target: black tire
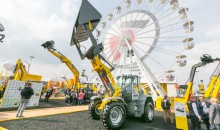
(148, 115)
(93, 111)
(113, 115)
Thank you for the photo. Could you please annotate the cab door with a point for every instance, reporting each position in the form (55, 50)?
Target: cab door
(135, 88)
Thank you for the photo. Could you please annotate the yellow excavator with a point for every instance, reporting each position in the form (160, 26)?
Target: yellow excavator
(49, 45)
(126, 97)
(21, 74)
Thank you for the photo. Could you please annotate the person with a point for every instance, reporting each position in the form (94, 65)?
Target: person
(57, 92)
(42, 91)
(77, 96)
(85, 97)
(26, 94)
(203, 107)
(69, 97)
(165, 104)
(48, 94)
(81, 96)
(1, 91)
(214, 114)
(194, 114)
(74, 95)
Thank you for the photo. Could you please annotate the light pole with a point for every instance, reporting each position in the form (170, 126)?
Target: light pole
(64, 77)
(83, 75)
(29, 63)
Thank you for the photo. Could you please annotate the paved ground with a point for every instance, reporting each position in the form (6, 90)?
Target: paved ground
(53, 102)
(82, 121)
(10, 115)
(71, 121)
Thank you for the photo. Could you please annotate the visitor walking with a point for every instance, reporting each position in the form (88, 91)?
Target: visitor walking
(165, 104)
(26, 94)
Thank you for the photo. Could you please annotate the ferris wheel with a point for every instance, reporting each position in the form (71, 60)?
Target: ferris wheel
(158, 32)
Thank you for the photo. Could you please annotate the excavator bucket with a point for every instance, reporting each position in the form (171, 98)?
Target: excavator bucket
(48, 44)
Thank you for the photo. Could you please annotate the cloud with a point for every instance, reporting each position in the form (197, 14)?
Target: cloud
(213, 32)
(211, 48)
(29, 23)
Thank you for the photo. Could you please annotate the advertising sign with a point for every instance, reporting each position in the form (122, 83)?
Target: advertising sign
(180, 109)
(12, 94)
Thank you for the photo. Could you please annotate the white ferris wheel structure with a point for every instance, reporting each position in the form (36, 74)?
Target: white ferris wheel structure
(148, 38)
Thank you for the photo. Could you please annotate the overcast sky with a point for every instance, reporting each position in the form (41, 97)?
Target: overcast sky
(29, 23)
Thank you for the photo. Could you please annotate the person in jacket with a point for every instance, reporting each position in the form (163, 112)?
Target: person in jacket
(26, 94)
(194, 114)
(203, 107)
(165, 104)
(48, 94)
(69, 97)
(214, 114)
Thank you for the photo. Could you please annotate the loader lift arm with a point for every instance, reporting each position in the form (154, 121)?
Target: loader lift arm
(49, 45)
(205, 59)
(84, 26)
(214, 84)
(111, 109)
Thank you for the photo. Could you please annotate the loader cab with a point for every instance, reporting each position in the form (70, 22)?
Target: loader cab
(130, 86)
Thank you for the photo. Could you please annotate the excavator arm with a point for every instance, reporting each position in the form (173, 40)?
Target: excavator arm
(49, 46)
(19, 72)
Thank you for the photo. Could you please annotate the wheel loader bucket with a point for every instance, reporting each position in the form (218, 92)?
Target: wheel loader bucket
(87, 20)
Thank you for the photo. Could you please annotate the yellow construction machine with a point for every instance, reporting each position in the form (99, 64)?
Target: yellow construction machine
(181, 121)
(49, 45)
(21, 74)
(126, 97)
(214, 84)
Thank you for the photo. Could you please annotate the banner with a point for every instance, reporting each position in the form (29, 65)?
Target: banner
(12, 94)
(180, 114)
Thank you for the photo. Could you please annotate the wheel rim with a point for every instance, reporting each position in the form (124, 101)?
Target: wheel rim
(150, 113)
(97, 111)
(115, 115)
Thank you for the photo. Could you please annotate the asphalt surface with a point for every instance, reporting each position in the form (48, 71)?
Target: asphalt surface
(42, 104)
(82, 121)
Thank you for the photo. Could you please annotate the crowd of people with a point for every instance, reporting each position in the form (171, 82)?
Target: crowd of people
(72, 96)
(75, 97)
(204, 111)
(200, 111)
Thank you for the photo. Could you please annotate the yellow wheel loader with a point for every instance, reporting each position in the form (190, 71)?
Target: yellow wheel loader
(121, 98)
